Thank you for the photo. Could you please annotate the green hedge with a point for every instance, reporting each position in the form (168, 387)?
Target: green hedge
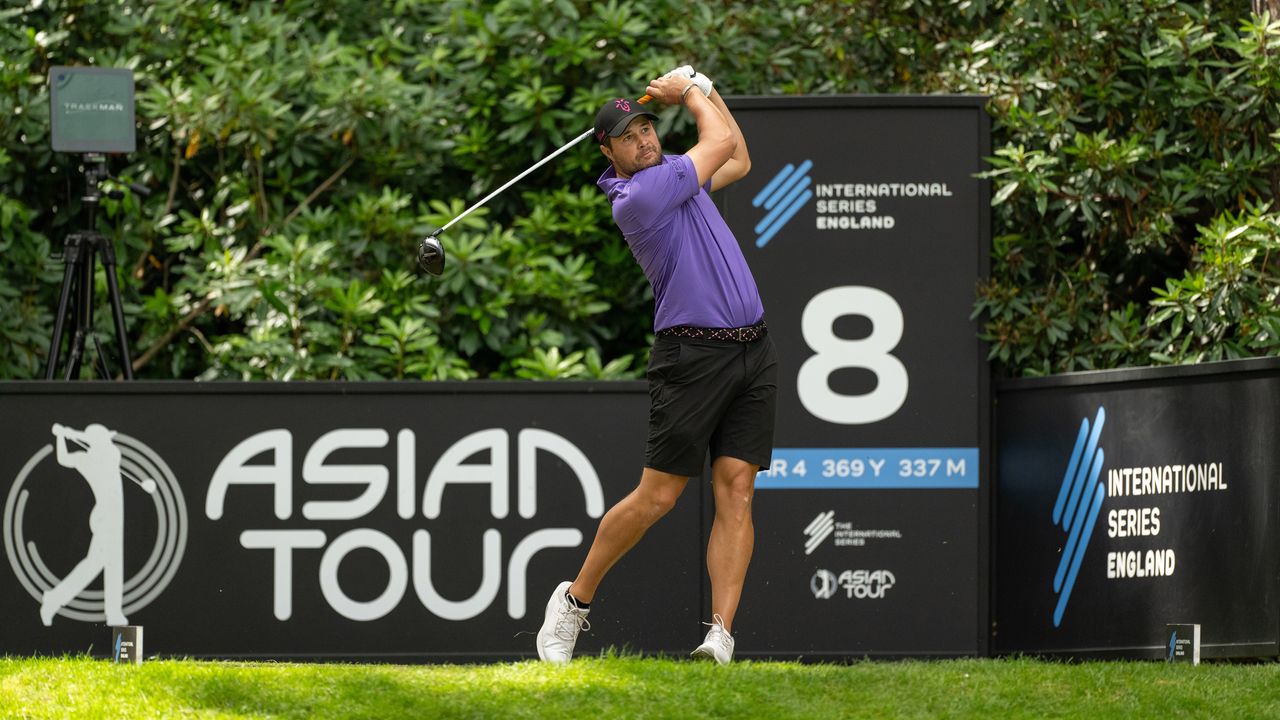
(298, 150)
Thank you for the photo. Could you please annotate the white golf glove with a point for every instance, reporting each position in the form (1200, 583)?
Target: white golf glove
(682, 71)
(703, 82)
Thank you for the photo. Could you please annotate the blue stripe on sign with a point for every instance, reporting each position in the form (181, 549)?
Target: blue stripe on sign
(870, 469)
(1098, 496)
(1079, 496)
(786, 186)
(786, 217)
(782, 207)
(1076, 541)
(1076, 453)
(777, 180)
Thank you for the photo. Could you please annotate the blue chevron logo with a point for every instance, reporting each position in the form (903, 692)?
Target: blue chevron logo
(783, 197)
(1076, 510)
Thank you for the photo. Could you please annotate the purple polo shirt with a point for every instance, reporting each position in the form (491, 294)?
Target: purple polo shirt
(694, 264)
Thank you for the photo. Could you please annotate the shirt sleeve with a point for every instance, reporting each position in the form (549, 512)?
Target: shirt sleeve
(654, 192)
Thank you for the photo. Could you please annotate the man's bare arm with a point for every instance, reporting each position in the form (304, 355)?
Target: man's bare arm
(739, 164)
(716, 140)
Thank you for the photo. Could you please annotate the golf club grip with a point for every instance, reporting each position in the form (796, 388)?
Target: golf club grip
(644, 99)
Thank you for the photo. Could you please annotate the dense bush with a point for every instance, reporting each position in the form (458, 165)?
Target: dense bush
(298, 150)
(1135, 180)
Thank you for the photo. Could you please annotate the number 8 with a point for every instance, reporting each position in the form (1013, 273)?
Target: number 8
(833, 353)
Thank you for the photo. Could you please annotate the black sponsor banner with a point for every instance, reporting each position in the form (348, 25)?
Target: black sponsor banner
(1130, 500)
(866, 231)
(328, 520)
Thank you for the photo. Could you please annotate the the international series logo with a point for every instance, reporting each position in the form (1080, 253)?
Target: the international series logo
(783, 197)
(1076, 509)
(818, 530)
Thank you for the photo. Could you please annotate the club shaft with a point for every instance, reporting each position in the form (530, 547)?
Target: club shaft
(517, 178)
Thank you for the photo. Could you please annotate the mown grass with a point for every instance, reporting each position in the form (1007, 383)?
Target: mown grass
(632, 687)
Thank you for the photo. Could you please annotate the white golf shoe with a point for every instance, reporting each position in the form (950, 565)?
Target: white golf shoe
(718, 645)
(560, 626)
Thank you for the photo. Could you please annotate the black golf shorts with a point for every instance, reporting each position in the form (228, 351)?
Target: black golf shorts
(717, 395)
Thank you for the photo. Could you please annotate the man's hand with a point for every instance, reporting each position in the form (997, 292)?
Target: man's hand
(668, 90)
(702, 81)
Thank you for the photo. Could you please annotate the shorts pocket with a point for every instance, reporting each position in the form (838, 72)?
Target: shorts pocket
(663, 359)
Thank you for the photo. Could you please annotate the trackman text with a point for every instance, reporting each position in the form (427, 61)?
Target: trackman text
(236, 469)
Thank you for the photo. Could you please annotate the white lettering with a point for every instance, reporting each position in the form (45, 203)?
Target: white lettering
(244, 464)
(1139, 564)
(234, 470)
(451, 470)
(457, 609)
(283, 542)
(1133, 522)
(532, 440)
(397, 581)
(518, 567)
(406, 473)
(374, 477)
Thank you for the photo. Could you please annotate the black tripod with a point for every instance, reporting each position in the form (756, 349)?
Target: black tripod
(77, 285)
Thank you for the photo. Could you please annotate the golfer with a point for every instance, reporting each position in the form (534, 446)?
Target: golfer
(713, 370)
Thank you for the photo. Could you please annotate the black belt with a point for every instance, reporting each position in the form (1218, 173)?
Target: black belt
(748, 334)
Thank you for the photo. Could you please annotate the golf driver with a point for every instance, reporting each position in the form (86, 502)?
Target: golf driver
(431, 252)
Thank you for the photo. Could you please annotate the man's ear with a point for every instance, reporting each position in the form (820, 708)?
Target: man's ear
(604, 150)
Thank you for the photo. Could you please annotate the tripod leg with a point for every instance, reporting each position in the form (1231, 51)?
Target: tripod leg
(83, 312)
(70, 263)
(113, 291)
(74, 354)
(102, 357)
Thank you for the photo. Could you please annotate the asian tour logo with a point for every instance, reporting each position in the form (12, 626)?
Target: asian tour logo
(104, 459)
(857, 584)
(1076, 510)
(782, 198)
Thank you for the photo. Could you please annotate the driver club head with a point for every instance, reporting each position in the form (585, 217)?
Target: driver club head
(431, 254)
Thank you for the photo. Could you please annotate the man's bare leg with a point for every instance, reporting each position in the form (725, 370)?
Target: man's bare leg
(623, 526)
(732, 534)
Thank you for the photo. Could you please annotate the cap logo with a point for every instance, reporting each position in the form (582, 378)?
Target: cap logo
(622, 104)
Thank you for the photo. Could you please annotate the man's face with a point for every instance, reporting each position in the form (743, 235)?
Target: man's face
(635, 149)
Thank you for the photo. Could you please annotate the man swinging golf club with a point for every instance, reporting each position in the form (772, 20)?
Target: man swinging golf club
(713, 370)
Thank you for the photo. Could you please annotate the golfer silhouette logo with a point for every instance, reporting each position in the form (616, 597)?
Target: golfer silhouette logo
(99, 463)
(105, 460)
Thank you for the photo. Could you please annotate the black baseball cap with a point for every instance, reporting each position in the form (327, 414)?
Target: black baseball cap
(615, 115)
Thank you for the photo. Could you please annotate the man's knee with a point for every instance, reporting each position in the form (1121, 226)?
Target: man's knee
(658, 493)
(659, 501)
(734, 491)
